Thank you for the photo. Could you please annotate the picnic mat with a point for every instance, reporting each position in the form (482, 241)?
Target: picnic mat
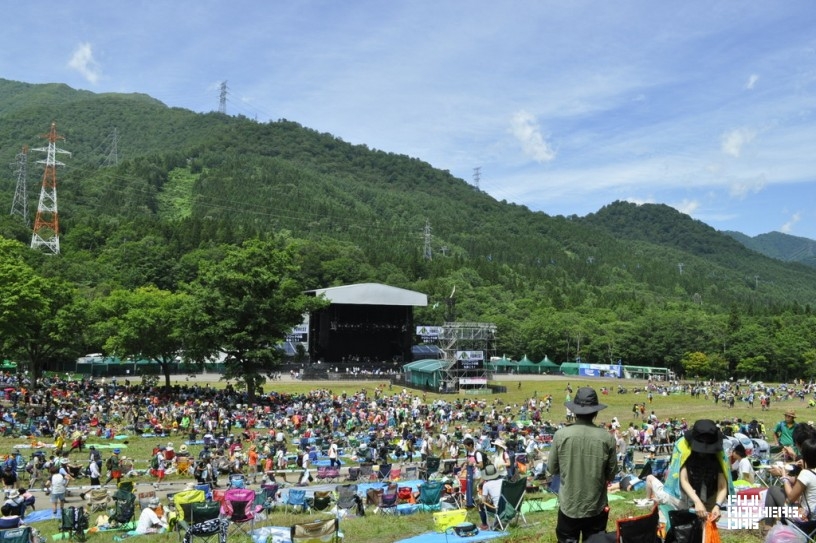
(39, 516)
(436, 537)
(537, 505)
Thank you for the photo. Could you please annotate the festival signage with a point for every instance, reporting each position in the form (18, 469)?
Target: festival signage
(470, 360)
(429, 333)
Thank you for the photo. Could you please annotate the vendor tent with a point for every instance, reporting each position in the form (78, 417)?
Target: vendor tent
(425, 374)
(502, 365)
(548, 366)
(525, 365)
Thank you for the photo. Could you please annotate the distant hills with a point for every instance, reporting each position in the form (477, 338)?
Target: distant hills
(642, 283)
(780, 246)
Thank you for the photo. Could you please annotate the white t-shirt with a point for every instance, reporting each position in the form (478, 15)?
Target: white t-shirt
(742, 466)
(58, 484)
(147, 520)
(808, 478)
(492, 490)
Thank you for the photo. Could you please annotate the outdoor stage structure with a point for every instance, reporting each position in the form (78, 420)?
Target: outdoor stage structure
(365, 325)
(467, 346)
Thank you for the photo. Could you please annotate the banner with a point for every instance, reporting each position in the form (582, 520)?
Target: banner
(470, 360)
(429, 333)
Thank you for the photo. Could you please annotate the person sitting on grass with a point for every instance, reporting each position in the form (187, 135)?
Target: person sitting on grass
(152, 519)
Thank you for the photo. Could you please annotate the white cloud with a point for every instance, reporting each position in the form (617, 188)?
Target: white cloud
(788, 226)
(528, 133)
(639, 201)
(686, 206)
(84, 62)
(733, 141)
(752, 81)
(743, 187)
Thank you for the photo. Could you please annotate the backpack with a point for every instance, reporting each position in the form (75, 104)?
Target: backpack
(154, 462)
(299, 460)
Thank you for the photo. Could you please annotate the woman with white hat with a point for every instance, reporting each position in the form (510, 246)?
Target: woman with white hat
(502, 458)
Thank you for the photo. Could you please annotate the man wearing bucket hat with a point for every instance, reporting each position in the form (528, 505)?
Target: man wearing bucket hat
(583, 455)
(784, 435)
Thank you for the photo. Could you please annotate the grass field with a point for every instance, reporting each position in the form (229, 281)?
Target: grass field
(385, 529)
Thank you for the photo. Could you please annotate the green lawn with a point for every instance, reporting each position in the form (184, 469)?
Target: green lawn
(383, 529)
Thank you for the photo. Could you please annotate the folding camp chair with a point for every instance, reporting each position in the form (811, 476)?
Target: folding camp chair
(16, 535)
(296, 498)
(353, 474)
(98, 500)
(389, 498)
(395, 475)
(74, 521)
(270, 496)
(642, 529)
(410, 473)
(367, 472)
(208, 493)
(383, 472)
(348, 499)
(144, 498)
(124, 507)
(240, 509)
(321, 501)
(321, 474)
(430, 496)
(183, 465)
(183, 502)
(332, 475)
(509, 507)
(431, 467)
(202, 521)
(319, 531)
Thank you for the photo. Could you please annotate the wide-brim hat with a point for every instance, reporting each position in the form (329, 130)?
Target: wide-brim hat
(14, 494)
(154, 502)
(500, 443)
(790, 413)
(704, 437)
(183, 448)
(585, 402)
(490, 472)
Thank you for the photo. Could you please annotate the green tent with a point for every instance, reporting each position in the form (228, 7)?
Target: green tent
(548, 366)
(425, 374)
(502, 365)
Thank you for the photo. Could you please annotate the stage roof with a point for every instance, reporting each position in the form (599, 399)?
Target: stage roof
(371, 294)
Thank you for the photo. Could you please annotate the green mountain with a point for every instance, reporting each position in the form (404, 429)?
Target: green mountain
(610, 285)
(780, 246)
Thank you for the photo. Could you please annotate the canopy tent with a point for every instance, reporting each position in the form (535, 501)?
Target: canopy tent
(502, 365)
(426, 352)
(426, 374)
(549, 366)
(526, 365)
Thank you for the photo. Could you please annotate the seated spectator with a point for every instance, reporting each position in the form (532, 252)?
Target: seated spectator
(741, 468)
(149, 521)
(9, 518)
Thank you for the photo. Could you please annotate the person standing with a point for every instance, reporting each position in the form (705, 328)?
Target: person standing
(584, 456)
(334, 461)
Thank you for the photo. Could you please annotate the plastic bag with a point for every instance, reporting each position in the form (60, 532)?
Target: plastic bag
(711, 534)
(780, 533)
(686, 527)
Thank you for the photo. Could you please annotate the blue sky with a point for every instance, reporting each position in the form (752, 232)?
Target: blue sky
(564, 106)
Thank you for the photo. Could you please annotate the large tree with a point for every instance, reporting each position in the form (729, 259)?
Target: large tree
(243, 307)
(40, 319)
(143, 323)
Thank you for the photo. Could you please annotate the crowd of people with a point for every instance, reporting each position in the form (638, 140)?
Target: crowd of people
(289, 431)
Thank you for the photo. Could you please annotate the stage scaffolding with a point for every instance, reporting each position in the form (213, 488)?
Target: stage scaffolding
(466, 337)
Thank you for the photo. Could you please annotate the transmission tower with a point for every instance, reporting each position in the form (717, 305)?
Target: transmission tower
(222, 100)
(46, 224)
(427, 252)
(112, 158)
(19, 205)
(477, 176)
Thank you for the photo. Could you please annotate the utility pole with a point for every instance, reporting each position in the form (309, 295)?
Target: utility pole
(112, 159)
(19, 206)
(680, 267)
(222, 100)
(46, 224)
(427, 252)
(477, 176)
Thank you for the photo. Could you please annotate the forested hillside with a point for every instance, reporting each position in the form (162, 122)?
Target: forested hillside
(645, 284)
(780, 246)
